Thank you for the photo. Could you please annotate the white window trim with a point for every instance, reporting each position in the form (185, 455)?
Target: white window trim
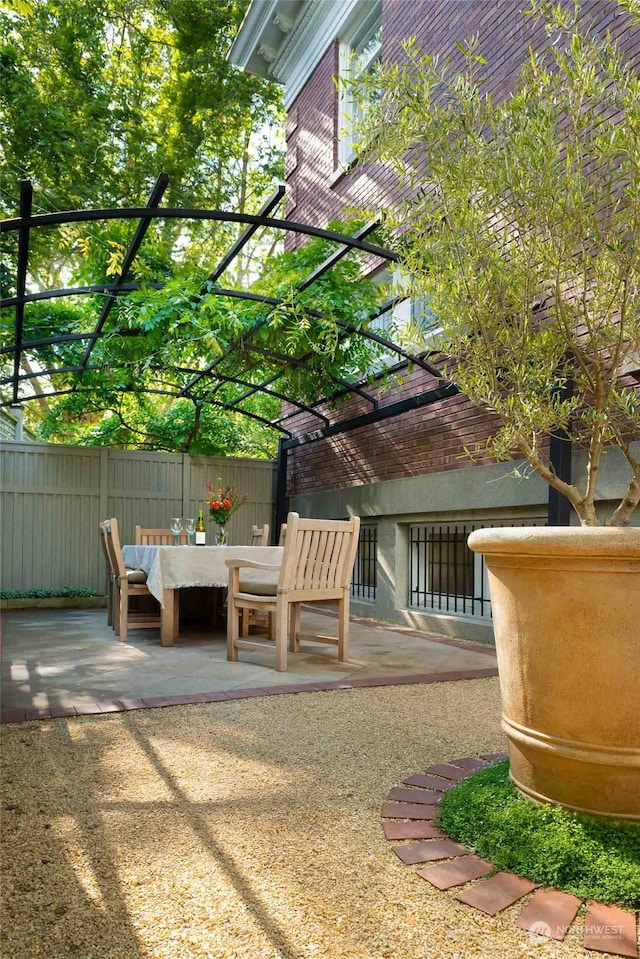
(359, 31)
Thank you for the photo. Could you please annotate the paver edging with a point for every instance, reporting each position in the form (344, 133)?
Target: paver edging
(29, 714)
(548, 914)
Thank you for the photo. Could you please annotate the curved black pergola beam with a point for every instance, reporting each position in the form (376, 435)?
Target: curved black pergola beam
(179, 213)
(245, 343)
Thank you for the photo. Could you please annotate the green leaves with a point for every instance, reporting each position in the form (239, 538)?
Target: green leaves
(592, 858)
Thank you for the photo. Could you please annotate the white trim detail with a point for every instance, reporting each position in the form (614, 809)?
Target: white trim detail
(311, 27)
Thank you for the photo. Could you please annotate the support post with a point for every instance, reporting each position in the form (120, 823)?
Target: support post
(281, 488)
(16, 412)
(560, 454)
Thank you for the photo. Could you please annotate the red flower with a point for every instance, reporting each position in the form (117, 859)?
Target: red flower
(223, 501)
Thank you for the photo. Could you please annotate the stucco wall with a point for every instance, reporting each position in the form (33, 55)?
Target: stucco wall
(485, 495)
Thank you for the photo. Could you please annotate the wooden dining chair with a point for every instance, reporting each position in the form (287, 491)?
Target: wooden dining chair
(259, 535)
(283, 534)
(127, 583)
(157, 537)
(110, 578)
(317, 564)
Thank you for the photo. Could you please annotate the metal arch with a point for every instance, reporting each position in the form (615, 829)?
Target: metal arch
(178, 393)
(182, 213)
(145, 216)
(105, 288)
(141, 230)
(112, 289)
(211, 402)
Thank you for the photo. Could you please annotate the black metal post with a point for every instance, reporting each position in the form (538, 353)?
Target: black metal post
(560, 454)
(26, 203)
(281, 488)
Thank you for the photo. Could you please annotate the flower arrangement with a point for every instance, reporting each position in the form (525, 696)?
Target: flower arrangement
(223, 502)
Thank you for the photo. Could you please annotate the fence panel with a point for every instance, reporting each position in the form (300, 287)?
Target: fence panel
(144, 490)
(254, 477)
(53, 497)
(50, 507)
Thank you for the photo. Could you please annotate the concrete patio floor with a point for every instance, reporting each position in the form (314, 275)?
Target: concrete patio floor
(56, 660)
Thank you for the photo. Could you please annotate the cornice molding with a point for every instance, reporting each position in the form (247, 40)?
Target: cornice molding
(273, 43)
(257, 18)
(316, 31)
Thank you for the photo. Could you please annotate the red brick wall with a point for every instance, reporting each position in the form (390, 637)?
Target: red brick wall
(431, 439)
(422, 441)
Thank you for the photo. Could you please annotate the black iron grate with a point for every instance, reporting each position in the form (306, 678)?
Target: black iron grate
(444, 575)
(364, 579)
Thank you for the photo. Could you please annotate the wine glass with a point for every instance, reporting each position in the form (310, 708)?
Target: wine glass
(190, 526)
(176, 529)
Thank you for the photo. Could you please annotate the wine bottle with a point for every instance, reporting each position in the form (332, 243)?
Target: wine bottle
(201, 530)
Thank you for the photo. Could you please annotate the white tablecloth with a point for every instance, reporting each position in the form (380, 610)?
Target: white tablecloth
(175, 567)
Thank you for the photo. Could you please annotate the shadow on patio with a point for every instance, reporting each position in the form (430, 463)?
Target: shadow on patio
(63, 662)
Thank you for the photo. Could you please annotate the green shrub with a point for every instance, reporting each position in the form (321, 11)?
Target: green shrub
(590, 857)
(63, 591)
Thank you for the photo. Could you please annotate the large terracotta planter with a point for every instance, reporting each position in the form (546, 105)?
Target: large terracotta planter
(566, 609)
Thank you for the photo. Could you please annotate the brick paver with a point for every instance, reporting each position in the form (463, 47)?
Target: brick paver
(456, 872)
(429, 850)
(495, 894)
(396, 810)
(448, 771)
(611, 930)
(470, 763)
(426, 796)
(549, 913)
(411, 830)
(429, 782)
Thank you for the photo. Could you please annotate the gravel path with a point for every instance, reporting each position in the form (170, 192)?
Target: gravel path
(246, 830)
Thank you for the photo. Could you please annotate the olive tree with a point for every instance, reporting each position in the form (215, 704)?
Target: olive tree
(522, 231)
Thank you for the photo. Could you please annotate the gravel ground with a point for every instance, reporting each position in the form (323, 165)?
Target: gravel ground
(246, 830)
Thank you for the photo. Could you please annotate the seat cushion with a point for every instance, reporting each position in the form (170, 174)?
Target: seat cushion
(136, 576)
(257, 588)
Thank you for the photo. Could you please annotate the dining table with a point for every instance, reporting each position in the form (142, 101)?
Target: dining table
(172, 568)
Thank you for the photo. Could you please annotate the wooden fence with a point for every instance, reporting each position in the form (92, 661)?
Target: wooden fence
(53, 497)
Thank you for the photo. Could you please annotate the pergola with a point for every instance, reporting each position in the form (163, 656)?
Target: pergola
(330, 416)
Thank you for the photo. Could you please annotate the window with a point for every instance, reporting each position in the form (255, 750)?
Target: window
(444, 575)
(411, 322)
(363, 581)
(358, 54)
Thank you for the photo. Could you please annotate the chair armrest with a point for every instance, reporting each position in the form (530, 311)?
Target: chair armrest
(241, 563)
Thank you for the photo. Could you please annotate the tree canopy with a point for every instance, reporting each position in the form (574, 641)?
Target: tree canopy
(98, 97)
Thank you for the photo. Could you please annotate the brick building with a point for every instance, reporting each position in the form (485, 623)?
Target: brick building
(407, 477)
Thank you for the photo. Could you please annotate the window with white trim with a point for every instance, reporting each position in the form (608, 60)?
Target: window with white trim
(359, 51)
(410, 322)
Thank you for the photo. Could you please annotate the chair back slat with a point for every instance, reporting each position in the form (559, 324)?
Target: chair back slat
(259, 535)
(157, 537)
(103, 543)
(114, 549)
(319, 554)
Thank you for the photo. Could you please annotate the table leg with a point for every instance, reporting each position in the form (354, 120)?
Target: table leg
(176, 613)
(170, 608)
